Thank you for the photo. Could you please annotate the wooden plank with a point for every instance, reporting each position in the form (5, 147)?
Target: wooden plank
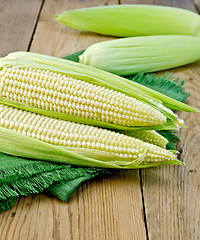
(173, 202)
(109, 208)
(171, 194)
(16, 28)
(186, 4)
(197, 5)
(58, 39)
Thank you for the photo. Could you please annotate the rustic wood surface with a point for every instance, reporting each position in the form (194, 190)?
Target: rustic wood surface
(160, 203)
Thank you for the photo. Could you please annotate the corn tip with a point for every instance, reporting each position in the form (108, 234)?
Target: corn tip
(56, 17)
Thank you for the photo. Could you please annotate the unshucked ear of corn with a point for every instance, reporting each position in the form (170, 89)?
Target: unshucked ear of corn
(142, 54)
(132, 20)
(79, 93)
(35, 136)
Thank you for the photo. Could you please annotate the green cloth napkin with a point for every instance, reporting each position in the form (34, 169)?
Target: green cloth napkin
(23, 177)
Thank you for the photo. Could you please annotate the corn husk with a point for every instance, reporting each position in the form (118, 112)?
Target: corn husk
(142, 54)
(132, 20)
(16, 144)
(100, 78)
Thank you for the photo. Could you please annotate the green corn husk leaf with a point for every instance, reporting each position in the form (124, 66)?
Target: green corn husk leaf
(142, 54)
(132, 20)
(98, 77)
(166, 84)
(171, 123)
(25, 168)
(14, 144)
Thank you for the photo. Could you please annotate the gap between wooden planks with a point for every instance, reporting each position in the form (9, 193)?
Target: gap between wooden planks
(110, 208)
(171, 194)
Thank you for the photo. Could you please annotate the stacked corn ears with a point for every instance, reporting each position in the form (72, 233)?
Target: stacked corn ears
(157, 37)
(57, 110)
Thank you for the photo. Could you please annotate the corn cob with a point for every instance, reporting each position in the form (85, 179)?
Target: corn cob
(53, 139)
(150, 136)
(132, 20)
(142, 54)
(92, 75)
(24, 79)
(58, 93)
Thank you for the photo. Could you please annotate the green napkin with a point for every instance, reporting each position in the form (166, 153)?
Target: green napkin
(23, 177)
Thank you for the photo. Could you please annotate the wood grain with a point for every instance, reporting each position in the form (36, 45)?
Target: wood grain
(186, 4)
(173, 204)
(197, 5)
(110, 208)
(171, 194)
(16, 28)
(61, 40)
(102, 214)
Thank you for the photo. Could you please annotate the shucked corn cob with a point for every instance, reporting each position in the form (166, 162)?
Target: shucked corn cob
(32, 135)
(142, 54)
(52, 89)
(132, 20)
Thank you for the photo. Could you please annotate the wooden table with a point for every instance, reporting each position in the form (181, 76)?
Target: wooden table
(158, 203)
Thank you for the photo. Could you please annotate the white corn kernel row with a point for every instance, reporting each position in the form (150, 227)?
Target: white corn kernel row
(150, 136)
(65, 133)
(59, 93)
